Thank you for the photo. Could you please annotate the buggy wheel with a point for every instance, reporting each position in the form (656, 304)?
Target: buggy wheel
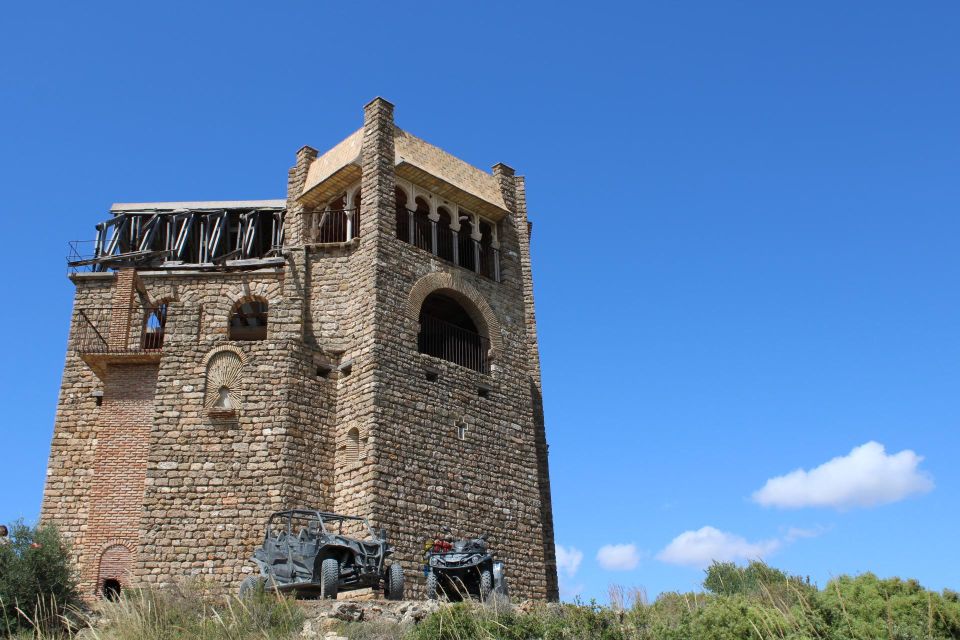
(250, 585)
(394, 582)
(431, 586)
(486, 584)
(329, 578)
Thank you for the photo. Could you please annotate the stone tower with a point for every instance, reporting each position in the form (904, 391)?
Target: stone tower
(366, 346)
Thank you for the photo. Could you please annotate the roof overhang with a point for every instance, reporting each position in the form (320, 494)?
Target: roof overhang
(333, 185)
(449, 191)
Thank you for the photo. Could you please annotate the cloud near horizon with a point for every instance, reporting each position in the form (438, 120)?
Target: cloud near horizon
(618, 557)
(701, 547)
(568, 563)
(866, 477)
(568, 560)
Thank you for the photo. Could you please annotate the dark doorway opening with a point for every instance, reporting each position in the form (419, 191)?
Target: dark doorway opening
(111, 589)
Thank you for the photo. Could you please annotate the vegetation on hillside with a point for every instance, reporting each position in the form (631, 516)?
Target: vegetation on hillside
(755, 602)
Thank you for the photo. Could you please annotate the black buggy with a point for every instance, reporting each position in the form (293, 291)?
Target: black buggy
(313, 553)
(459, 569)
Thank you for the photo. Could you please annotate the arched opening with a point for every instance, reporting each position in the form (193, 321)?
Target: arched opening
(351, 447)
(444, 234)
(115, 563)
(249, 321)
(486, 266)
(154, 323)
(421, 224)
(331, 224)
(447, 331)
(466, 251)
(400, 198)
(111, 589)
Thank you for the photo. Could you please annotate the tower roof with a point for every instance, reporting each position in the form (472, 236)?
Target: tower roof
(417, 161)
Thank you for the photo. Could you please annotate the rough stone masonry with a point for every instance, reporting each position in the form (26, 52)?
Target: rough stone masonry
(375, 356)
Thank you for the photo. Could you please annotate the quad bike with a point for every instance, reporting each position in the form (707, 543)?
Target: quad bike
(460, 569)
(314, 553)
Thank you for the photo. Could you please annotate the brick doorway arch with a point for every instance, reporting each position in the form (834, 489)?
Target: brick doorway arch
(113, 573)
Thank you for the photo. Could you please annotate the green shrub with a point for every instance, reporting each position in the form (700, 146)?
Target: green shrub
(38, 585)
(869, 607)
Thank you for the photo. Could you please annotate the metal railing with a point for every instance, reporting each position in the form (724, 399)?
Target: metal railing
(105, 330)
(153, 238)
(334, 226)
(447, 244)
(442, 339)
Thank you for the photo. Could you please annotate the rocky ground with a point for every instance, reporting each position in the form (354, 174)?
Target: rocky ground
(324, 616)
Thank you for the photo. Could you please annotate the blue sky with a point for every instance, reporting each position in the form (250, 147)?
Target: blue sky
(746, 222)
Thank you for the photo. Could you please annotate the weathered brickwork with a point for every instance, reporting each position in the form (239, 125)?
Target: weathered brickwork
(152, 478)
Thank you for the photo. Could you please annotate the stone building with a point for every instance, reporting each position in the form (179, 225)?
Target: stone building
(366, 346)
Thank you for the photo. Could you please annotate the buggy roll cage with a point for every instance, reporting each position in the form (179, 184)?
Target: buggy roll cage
(320, 516)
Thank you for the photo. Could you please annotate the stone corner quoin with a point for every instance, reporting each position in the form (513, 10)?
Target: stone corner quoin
(365, 346)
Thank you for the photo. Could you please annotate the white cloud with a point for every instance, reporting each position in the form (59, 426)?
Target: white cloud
(568, 560)
(701, 547)
(866, 477)
(568, 563)
(618, 557)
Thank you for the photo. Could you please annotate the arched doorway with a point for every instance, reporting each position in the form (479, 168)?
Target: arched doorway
(114, 570)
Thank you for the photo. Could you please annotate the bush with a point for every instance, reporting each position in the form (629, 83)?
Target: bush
(38, 585)
(868, 607)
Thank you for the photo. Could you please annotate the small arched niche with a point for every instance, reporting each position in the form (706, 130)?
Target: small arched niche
(224, 368)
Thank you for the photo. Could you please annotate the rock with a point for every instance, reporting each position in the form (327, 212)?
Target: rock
(348, 612)
(308, 632)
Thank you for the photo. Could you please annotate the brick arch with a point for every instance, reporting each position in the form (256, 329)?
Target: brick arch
(463, 292)
(226, 347)
(115, 563)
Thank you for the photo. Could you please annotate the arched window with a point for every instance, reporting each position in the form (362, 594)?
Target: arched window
(154, 323)
(421, 225)
(249, 321)
(466, 251)
(486, 266)
(444, 234)
(351, 446)
(447, 331)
